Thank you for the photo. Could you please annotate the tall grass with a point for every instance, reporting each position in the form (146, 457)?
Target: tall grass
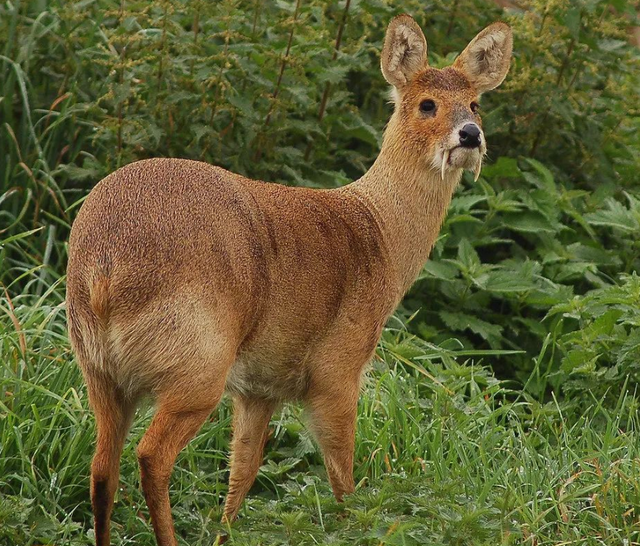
(446, 454)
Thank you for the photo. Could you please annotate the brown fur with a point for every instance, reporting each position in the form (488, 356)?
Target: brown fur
(186, 280)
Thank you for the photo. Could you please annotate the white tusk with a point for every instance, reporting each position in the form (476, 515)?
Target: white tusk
(476, 172)
(445, 160)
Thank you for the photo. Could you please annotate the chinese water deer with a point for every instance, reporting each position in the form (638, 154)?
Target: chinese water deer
(186, 281)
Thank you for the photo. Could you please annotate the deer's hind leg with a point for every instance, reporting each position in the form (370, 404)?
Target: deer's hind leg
(114, 413)
(183, 407)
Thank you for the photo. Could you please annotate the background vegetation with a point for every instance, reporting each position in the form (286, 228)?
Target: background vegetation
(503, 407)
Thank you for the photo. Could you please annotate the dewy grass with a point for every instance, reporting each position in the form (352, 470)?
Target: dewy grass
(445, 455)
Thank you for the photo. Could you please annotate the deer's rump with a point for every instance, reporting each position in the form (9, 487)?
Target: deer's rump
(180, 258)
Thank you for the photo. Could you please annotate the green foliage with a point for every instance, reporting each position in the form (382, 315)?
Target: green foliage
(507, 256)
(502, 408)
(258, 87)
(603, 351)
(573, 97)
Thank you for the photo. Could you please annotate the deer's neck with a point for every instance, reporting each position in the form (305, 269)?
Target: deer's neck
(410, 200)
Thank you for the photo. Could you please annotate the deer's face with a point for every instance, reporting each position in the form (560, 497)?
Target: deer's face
(437, 115)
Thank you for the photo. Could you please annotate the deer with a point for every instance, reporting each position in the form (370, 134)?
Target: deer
(186, 281)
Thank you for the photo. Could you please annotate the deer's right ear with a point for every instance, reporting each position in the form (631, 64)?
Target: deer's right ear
(405, 51)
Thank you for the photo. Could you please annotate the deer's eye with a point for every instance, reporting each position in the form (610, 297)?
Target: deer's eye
(428, 107)
(474, 107)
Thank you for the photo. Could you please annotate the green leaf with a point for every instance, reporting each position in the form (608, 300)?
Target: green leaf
(508, 281)
(579, 362)
(504, 167)
(333, 74)
(528, 222)
(467, 255)
(545, 178)
(462, 321)
(604, 324)
(616, 216)
(439, 270)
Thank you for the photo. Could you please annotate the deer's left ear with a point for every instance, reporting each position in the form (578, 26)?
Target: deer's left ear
(485, 61)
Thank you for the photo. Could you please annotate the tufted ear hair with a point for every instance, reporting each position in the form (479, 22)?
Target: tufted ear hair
(485, 61)
(405, 51)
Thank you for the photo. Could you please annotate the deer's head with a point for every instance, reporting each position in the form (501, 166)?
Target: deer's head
(436, 115)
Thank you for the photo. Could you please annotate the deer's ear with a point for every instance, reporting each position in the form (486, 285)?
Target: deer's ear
(485, 61)
(405, 51)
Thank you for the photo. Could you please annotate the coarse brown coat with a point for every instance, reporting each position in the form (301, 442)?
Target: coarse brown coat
(186, 280)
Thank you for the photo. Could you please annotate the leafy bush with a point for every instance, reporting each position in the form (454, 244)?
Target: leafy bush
(260, 88)
(507, 256)
(602, 351)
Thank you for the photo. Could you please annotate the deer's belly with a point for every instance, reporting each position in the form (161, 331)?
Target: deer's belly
(267, 378)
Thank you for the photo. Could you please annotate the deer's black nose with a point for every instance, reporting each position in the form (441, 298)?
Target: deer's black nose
(470, 136)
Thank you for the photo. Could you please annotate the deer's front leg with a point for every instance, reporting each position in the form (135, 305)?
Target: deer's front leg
(250, 422)
(333, 407)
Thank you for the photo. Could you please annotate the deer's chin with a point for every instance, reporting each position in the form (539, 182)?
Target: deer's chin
(459, 158)
(465, 158)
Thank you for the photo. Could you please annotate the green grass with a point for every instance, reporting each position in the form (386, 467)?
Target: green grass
(446, 454)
